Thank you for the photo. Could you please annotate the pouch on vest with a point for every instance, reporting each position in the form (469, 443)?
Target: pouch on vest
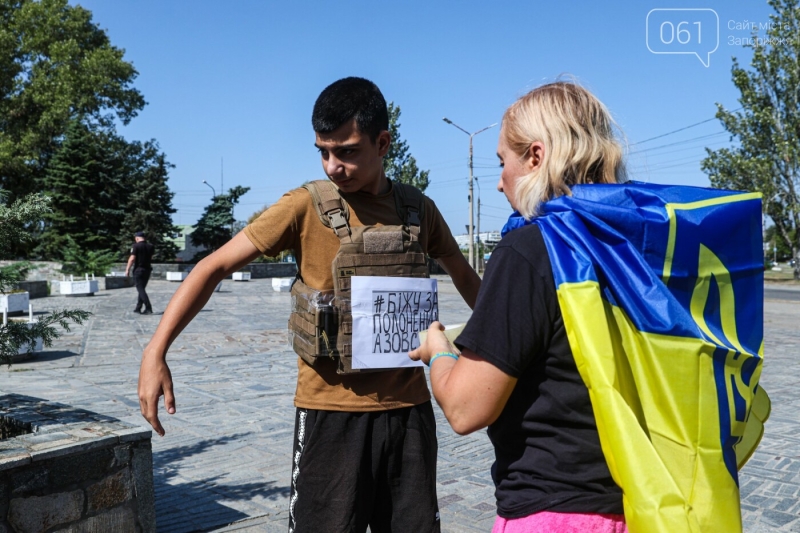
(312, 323)
(363, 251)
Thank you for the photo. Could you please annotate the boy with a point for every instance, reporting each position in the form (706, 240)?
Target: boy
(365, 444)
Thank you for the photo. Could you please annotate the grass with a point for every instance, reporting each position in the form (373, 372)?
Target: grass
(786, 275)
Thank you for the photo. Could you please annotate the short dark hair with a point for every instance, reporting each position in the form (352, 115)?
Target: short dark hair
(347, 99)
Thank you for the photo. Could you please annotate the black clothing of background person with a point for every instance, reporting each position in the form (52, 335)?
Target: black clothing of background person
(142, 253)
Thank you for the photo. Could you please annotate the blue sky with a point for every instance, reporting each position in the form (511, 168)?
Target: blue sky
(236, 80)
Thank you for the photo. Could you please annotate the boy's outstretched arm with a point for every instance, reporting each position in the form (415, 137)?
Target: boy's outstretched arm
(464, 278)
(155, 379)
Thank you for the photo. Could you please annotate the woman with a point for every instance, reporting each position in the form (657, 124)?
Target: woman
(627, 316)
(516, 373)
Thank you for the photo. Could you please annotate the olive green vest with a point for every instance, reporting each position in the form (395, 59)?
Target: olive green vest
(321, 324)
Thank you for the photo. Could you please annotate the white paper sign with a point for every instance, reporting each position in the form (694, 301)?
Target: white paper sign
(388, 316)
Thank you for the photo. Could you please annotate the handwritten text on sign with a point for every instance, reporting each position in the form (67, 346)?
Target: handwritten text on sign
(388, 315)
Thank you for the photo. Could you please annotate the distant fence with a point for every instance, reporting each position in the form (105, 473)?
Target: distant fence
(51, 270)
(257, 270)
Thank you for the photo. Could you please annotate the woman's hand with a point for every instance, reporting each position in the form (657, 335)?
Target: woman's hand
(435, 342)
(471, 391)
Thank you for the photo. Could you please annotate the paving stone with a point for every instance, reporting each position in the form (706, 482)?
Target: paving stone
(226, 457)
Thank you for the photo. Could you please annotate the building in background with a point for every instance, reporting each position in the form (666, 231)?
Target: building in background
(186, 250)
(489, 240)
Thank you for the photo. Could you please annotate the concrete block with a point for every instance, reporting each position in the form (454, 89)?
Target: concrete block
(36, 289)
(110, 492)
(40, 513)
(176, 276)
(87, 286)
(86, 466)
(74, 447)
(241, 276)
(119, 520)
(36, 441)
(122, 455)
(28, 480)
(118, 282)
(5, 494)
(14, 302)
(14, 458)
(143, 485)
(133, 434)
(282, 284)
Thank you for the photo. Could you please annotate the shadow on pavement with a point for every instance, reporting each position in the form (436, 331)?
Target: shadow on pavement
(194, 505)
(44, 357)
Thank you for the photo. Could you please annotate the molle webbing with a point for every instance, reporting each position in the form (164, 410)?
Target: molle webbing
(320, 330)
(331, 209)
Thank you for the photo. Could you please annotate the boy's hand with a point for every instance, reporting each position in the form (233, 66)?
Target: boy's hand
(155, 380)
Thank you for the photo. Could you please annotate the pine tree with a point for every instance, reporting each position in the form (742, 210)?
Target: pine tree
(213, 229)
(84, 184)
(148, 207)
(398, 164)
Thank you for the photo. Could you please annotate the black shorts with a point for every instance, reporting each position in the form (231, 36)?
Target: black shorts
(353, 470)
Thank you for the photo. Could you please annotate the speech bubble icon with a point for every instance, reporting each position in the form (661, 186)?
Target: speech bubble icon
(683, 31)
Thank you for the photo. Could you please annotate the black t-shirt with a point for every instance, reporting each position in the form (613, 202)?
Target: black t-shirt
(547, 450)
(143, 254)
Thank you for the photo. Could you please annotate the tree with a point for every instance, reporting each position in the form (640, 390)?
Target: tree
(79, 261)
(88, 193)
(214, 227)
(18, 335)
(776, 248)
(399, 164)
(767, 127)
(148, 206)
(55, 65)
(104, 189)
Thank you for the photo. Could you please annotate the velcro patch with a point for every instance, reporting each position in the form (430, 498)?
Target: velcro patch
(383, 242)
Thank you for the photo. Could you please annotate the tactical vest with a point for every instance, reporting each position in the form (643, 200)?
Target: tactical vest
(321, 324)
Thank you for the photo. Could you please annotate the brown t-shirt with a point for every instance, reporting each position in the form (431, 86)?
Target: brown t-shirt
(293, 223)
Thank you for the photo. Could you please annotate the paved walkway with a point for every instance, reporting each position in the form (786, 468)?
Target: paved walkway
(224, 463)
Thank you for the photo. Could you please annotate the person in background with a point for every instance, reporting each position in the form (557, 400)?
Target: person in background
(140, 261)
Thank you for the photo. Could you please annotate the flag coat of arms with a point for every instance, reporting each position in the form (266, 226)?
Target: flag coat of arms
(661, 291)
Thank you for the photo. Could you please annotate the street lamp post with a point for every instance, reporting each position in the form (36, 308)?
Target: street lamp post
(471, 213)
(212, 188)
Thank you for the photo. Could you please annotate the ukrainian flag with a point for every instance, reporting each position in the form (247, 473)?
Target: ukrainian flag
(661, 290)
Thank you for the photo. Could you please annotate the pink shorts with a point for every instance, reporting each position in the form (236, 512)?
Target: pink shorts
(549, 522)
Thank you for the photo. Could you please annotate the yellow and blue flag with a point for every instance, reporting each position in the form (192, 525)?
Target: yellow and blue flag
(661, 291)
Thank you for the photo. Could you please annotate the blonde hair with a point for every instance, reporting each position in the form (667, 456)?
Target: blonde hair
(578, 136)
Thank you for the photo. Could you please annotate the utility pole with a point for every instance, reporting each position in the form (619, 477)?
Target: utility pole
(479, 255)
(471, 214)
(480, 248)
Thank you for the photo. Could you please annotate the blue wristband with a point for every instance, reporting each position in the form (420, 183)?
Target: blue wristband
(442, 354)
